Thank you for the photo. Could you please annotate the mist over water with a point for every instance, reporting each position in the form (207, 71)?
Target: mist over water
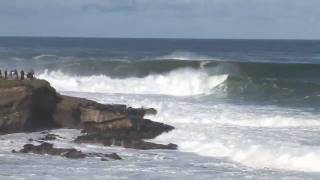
(240, 108)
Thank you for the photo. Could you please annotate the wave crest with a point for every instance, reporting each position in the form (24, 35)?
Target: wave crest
(181, 82)
(185, 56)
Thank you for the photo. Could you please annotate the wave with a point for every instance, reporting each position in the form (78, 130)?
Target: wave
(141, 68)
(221, 81)
(44, 56)
(294, 84)
(251, 151)
(181, 82)
(262, 137)
(120, 68)
(185, 55)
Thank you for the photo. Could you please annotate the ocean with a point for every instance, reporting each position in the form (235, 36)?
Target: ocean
(242, 109)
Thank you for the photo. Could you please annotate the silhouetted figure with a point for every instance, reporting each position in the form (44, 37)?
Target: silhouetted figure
(11, 74)
(22, 75)
(0, 74)
(30, 75)
(5, 74)
(16, 74)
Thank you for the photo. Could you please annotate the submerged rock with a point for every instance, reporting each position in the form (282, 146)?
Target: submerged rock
(47, 148)
(74, 154)
(50, 137)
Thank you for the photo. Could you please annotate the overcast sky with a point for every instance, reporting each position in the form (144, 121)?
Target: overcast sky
(262, 19)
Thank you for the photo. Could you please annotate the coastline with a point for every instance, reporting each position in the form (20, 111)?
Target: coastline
(33, 105)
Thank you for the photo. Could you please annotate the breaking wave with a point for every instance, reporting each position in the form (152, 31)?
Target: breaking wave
(181, 82)
(185, 55)
(44, 56)
(263, 82)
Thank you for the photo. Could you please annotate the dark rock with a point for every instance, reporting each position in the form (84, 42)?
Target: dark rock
(83, 131)
(126, 142)
(44, 148)
(50, 137)
(114, 156)
(47, 148)
(74, 154)
(30, 139)
(140, 144)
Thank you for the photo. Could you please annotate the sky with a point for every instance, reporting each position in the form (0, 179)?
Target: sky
(226, 19)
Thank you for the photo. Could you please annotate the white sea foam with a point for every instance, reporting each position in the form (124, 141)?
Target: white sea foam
(256, 140)
(184, 55)
(182, 82)
(44, 56)
(269, 137)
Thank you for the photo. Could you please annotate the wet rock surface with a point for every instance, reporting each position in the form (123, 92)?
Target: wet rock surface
(50, 137)
(71, 153)
(126, 142)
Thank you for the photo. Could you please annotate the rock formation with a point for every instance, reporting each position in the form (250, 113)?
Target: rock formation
(47, 148)
(34, 105)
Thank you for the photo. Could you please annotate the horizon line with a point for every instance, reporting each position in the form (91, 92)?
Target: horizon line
(158, 38)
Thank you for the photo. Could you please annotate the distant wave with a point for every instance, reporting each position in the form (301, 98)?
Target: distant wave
(185, 55)
(44, 56)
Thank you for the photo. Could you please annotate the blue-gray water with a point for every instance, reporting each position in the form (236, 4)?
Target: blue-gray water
(241, 108)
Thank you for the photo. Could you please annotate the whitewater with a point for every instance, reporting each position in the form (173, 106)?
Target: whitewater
(257, 137)
(241, 110)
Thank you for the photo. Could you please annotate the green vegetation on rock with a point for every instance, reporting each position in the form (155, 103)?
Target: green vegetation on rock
(36, 83)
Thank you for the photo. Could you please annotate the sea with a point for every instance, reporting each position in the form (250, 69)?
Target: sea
(242, 109)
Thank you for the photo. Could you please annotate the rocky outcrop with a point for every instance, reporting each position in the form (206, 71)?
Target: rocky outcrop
(47, 148)
(26, 106)
(127, 142)
(35, 105)
(110, 124)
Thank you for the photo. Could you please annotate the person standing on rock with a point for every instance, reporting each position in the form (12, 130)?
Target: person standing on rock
(30, 75)
(16, 74)
(22, 75)
(5, 74)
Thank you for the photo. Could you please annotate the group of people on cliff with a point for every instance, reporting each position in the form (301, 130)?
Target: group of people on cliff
(14, 75)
